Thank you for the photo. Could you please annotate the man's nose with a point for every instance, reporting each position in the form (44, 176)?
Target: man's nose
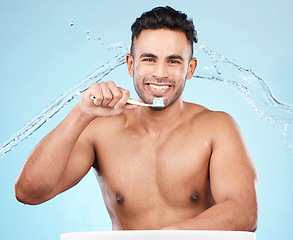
(160, 70)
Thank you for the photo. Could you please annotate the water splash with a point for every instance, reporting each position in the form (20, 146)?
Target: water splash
(215, 67)
(254, 89)
(59, 103)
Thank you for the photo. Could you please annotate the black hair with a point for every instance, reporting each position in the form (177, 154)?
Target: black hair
(164, 17)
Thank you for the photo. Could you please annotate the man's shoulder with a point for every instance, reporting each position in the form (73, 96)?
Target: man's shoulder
(210, 118)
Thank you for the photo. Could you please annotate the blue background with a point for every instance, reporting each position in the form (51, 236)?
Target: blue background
(42, 56)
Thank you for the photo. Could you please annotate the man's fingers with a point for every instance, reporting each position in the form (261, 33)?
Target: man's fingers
(122, 101)
(105, 99)
(96, 92)
(116, 94)
(106, 94)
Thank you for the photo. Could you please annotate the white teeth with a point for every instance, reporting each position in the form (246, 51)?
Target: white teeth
(158, 87)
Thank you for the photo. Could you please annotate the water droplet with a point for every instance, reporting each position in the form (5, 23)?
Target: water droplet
(87, 32)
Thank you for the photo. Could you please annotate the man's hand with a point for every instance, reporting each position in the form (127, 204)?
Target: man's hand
(109, 100)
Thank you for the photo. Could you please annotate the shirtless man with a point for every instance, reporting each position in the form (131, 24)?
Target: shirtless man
(181, 166)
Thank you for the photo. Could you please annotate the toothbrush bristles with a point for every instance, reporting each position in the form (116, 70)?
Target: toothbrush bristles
(158, 102)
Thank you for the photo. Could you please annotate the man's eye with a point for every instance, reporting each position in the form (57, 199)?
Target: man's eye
(174, 61)
(148, 60)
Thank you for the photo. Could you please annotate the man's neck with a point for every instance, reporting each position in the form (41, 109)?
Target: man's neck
(157, 122)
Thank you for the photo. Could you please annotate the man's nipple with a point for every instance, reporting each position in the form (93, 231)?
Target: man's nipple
(119, 198)
(194, 197)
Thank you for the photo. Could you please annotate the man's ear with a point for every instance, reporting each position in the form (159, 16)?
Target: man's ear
(191, 68)
(129, 62)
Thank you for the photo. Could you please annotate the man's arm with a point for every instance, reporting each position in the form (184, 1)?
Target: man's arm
(66, 154)
(233, 180)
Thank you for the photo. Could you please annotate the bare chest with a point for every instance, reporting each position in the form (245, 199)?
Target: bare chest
(140, 171)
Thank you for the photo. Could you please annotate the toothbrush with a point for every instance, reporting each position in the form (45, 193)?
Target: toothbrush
(157, 102)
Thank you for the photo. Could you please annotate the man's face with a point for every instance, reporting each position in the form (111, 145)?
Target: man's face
(160, 64)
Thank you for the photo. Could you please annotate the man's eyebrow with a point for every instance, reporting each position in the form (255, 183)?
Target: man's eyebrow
(148, 55)
(175, 57)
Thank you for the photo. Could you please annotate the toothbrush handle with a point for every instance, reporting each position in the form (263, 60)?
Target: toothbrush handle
(131, 102)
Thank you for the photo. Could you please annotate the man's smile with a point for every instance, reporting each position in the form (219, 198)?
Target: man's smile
(158, 89)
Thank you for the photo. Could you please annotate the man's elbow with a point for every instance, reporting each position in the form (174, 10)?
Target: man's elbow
(26, 195)
(244, 216)
(250, 220)
(252, 223)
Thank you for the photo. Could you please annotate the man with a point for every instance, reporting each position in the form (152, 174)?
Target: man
(181, 166)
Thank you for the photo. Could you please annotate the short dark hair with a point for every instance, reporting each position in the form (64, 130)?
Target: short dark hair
(164, 17)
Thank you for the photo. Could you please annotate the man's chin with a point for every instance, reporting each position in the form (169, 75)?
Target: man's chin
(157, 109)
